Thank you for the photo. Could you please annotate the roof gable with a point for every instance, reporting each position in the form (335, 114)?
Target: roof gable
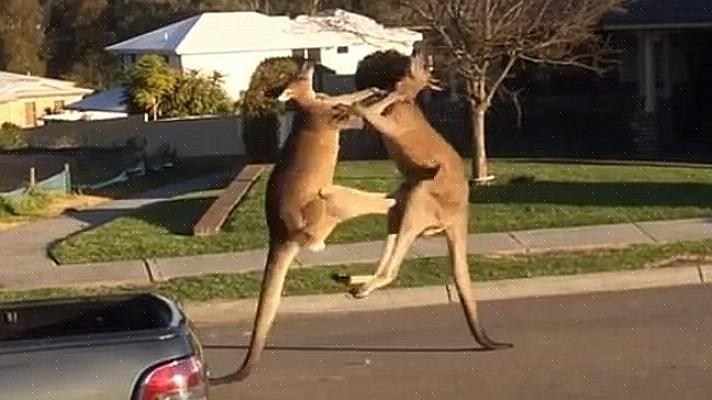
(15, 86)
(165, 39)
(227, 32)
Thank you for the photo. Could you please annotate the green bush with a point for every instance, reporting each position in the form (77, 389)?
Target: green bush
(4, 208)
(261, 109)
(11, 137)
(148, 83)
(195, 94)
(381, 69)
(269, 79)
(33, 202)
(152, 86)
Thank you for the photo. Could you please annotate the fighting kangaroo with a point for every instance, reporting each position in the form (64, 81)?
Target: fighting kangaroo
(302, 204)
(434, 196)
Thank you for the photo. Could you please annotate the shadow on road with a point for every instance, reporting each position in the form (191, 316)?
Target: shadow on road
(358, 349)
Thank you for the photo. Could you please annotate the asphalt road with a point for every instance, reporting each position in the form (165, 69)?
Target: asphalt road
(648, 344)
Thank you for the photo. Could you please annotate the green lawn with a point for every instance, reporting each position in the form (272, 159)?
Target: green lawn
(526, 195)
(415, 273)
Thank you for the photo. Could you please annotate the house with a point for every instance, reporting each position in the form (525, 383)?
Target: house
(24, 99)
(667, 58)
(234, 43)
(104, 105)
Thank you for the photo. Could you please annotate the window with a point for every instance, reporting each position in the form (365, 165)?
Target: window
(299, 53)
(30, 114)
(314, 55)
(342, 49)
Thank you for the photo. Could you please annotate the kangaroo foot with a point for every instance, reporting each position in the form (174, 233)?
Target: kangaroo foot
(316, 247)
(361, 292)
(358, 292)
(486, 342)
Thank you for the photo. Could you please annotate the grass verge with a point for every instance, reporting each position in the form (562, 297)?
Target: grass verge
(38, 204)
(415, 273)
(526, 195)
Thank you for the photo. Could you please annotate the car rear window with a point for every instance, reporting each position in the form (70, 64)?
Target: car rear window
(52, 319)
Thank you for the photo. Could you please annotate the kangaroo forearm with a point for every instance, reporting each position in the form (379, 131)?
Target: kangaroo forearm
(349, 98)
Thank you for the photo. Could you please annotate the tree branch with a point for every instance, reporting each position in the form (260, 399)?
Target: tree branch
(502, 76)
(572, 62)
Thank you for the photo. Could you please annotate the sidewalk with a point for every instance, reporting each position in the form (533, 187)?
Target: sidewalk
(23, 250)
(24, 276)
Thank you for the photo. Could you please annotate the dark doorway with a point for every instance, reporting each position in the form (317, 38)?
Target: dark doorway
(700, 69)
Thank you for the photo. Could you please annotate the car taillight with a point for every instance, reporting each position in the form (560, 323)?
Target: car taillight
(178, 380)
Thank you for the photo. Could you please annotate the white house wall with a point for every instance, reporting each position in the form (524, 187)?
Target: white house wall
(345, 63)
(237, 68)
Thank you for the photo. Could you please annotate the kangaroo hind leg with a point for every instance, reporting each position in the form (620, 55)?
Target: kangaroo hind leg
(457, 245)
(345, 203)
(279, 258)
(417, 216)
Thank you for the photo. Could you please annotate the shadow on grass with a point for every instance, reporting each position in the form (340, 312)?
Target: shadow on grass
(608, 162)
(176, 216)
(604, 194)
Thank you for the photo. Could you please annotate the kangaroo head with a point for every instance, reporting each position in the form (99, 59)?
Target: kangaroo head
(417, 78)
(301, 87)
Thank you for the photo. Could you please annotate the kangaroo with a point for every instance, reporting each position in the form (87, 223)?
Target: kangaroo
(302, 205)
(434, 196)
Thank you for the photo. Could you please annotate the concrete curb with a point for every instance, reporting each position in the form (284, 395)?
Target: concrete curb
(233, 311)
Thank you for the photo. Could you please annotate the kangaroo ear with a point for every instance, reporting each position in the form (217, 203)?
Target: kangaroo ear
(285, 96)
(307, 70)
(434, 84)
(417, 65)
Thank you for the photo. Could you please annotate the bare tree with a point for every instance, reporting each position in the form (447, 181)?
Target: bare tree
(314, 6)
(485, 39)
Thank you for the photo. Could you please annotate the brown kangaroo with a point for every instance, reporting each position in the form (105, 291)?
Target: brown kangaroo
(302, 204)
(434, 196)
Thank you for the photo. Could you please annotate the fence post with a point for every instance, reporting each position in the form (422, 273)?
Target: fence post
(67, 179)
(33, 177)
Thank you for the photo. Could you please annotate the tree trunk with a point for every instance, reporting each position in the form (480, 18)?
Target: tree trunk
(480, 172)
(154, 110)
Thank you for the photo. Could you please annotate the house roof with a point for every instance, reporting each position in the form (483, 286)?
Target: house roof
(228, 32)
(662, 14)
(111, 100)
(16, 86)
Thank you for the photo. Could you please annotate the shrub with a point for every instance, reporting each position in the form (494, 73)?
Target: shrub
(381, 69)
(148, 84)
(11, 137)
(269, 79)
(4, 208)
(260, 106)
(152, 86)
(33, 202)
(196, 94)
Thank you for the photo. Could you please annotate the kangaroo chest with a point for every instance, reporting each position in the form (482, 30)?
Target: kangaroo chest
(413, 160)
